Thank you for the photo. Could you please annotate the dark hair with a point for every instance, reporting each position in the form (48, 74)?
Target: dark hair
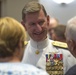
(59, 30)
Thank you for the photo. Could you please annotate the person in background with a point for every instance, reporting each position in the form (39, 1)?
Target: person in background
(71, 41)
(40, 50)
(53, 22)
(12, 37)
(70, 35)
(58, 33)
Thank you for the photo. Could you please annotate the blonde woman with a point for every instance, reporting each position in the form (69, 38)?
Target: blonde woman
(12, 37)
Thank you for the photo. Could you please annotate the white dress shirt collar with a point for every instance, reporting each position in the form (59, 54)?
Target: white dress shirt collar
(39, 45)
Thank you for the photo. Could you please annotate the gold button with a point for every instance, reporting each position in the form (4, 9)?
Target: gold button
(37, 51)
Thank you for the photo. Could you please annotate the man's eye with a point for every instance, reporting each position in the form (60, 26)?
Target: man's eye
(41, 22)
(32, 24)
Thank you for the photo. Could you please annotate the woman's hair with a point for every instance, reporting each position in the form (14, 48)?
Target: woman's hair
(11, 32)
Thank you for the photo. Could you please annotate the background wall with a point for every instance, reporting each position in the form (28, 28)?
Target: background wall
(62, 12)
(13, 8)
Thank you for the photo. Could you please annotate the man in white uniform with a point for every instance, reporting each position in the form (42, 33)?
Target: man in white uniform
(36, 22)
(12, 37)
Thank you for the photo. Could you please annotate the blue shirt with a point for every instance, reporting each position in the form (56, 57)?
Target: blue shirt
(19, 69)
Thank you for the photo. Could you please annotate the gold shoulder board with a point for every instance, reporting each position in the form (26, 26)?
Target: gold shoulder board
(25, 42)
(60, 44)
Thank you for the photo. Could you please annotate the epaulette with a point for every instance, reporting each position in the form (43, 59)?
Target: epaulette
(25, 42)
(60, 44)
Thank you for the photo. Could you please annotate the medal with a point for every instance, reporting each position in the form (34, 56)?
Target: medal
(48, 63)
(37, 52)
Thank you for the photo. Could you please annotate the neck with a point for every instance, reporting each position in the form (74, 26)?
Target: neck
(39, 45)
(9, 59)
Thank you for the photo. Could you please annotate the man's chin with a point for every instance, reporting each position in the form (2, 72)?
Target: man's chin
(38, 40)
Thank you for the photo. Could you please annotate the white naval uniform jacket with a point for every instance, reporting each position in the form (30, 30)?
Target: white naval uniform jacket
(39, 60)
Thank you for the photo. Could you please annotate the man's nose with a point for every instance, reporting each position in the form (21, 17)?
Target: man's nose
(38, 27)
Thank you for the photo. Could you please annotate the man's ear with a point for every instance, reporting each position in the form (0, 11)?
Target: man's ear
(22, 22)
(73, 48)
(74, 45)
(48, 20)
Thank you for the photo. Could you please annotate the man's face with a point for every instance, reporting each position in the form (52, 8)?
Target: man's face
(53, 23)
(36, 25)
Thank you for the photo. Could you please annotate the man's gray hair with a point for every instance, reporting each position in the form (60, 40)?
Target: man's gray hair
(71, 29)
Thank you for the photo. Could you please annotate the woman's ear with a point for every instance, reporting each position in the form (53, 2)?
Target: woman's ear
(19, 50)
(21, 44)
